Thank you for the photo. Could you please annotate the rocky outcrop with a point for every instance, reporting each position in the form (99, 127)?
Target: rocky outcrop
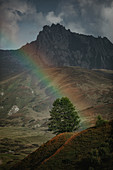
(13, 110)
(56, 46)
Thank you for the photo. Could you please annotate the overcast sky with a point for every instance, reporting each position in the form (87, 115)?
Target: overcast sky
(21, 20)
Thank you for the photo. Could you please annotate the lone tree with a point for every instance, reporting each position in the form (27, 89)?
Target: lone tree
(64, 117)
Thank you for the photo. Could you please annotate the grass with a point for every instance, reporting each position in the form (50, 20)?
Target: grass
(91, 148)
(77, 148)
(17, 142)
(46, 150)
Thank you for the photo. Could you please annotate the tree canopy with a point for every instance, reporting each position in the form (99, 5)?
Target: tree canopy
(64, 117)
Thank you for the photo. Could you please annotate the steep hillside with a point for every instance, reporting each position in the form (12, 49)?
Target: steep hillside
(89, 149)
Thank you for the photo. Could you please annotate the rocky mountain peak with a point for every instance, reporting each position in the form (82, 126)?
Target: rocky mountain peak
(60, 47)
(56, 46)
(55, 33)
(54, 28)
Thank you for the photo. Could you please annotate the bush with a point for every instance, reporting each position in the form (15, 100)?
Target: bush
(100, 121)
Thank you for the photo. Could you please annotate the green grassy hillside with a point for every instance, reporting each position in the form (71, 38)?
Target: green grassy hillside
(89, 149)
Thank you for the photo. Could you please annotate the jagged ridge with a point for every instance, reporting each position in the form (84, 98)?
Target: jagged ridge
(56, 46)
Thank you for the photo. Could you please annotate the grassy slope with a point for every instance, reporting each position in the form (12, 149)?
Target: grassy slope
(44, 152)
(75, 153)
(17, 142)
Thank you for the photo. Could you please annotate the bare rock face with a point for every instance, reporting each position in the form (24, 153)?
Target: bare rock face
(13, 110)
(53, 44)
(60, 47)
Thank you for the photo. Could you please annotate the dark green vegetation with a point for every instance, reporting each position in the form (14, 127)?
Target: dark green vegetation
(100, 121)
(89, 149)
(64, 117)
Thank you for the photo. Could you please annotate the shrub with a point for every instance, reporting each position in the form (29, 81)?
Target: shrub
(100, 121)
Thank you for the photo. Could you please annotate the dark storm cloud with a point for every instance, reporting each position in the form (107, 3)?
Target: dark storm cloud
(21, 20)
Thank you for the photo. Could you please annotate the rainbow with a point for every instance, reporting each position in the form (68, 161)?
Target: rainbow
(40, 73)
(24, 57)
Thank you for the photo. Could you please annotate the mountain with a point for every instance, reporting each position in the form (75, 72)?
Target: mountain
(56, 46)
(57, 51)
(32, 77)
(89, 149)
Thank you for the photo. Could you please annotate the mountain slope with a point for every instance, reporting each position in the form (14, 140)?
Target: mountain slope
(86, 90)
(56, 46)
(27, 99)
(91, 148)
